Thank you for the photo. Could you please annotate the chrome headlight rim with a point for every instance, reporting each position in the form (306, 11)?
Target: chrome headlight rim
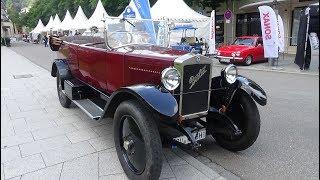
(164, 78)
(231, 73)
(238, 53)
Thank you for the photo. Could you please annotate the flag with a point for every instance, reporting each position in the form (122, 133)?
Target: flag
(212, 35)
(269, 28)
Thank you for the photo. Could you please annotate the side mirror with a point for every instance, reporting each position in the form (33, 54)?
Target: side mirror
(258, 45)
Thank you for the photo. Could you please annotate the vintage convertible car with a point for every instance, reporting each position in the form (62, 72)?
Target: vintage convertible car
(245, 50)
(149, 89)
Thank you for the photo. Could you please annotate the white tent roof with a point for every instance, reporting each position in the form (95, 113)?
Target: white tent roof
(67, 22)
(38, 28)
(98, 15)
(80, 21)
(56, 23)
(49, 25)
(175, 10)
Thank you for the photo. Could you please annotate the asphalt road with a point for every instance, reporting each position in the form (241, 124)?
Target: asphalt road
(288, 144)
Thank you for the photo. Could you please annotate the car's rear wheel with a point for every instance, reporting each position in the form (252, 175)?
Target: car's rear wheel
(248, 60)
(244, 112)
(137, 141)
(63, 99)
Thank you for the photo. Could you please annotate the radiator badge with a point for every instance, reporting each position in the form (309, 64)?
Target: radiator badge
(194, 79)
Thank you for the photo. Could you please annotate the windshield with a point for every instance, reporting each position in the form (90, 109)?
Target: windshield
(122, 32)
(244, 41)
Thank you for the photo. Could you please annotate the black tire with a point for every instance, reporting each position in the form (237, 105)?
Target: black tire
(146, 131)
(247, 117)
(63, 99)
(248, 60)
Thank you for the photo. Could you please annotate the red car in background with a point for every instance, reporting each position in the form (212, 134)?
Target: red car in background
(245, 49)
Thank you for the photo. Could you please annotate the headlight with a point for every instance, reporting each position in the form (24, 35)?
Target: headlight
(238, 53)
(170, 78)
(231, 73)
(233, 54)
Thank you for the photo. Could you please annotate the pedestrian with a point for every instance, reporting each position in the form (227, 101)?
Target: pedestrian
(45, 41)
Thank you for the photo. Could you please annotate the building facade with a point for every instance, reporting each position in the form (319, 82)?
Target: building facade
(245, 19)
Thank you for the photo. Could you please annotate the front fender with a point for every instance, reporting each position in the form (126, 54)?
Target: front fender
(253, 89)
(151, 96)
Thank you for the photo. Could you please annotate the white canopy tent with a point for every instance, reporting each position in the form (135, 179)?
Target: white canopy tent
(56, 23)
(80, 21)
(98, 15)
(49, 25)
(38, 28)
(175, 10)
(66, 24)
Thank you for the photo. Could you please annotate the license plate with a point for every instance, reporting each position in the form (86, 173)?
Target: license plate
(201, 134)
(225, 60)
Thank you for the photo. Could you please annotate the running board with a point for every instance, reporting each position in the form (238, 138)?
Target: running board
(90, 108)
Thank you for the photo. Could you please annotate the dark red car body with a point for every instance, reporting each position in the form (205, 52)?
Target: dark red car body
(255, 50)
(109, 70)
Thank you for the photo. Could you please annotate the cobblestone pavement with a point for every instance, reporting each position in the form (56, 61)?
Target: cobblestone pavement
(42, 140)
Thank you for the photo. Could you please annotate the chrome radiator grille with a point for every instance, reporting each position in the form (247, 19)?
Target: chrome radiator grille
(195, 89)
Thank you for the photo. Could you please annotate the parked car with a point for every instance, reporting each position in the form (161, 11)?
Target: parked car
(188, 43)
(245, 50)
(143, 87)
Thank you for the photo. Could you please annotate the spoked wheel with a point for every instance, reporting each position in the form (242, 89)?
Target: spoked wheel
(248, 60)
(63, 99)
(137, 141)
(244, 113)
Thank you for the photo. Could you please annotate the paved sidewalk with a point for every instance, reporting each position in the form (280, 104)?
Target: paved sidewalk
(42, 140)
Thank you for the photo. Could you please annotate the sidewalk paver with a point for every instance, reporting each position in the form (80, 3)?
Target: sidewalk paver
(42, 140)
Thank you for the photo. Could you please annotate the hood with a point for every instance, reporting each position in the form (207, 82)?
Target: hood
(234, 48)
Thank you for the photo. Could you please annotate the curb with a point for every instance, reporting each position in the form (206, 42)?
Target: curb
(271, 70)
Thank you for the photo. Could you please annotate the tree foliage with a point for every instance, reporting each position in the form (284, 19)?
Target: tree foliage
(43, 9)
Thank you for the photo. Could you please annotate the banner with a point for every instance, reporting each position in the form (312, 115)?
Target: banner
(281, 34)
(143, 7)
(269, 28)
(129, 12)
(212, 34)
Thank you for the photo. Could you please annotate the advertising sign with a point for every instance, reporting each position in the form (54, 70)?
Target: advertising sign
(129, 13)
(270, 33)
(212, 34)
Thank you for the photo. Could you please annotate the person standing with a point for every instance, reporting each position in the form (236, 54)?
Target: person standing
(45, 41)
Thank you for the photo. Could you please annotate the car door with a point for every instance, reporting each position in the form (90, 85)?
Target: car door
(93, 66)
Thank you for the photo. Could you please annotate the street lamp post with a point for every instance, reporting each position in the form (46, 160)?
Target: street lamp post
(275, 3)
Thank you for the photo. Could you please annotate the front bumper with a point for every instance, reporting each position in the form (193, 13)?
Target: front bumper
(229, 59)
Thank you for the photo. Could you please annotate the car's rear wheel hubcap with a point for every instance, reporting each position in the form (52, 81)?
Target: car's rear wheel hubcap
(133, 146)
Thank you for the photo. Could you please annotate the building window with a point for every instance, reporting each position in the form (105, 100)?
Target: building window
(295, 25)
(219, 29)
(248, 24)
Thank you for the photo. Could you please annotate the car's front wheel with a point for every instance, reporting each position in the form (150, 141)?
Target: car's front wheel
(244, 112)
(248, 60)
(137, 141)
